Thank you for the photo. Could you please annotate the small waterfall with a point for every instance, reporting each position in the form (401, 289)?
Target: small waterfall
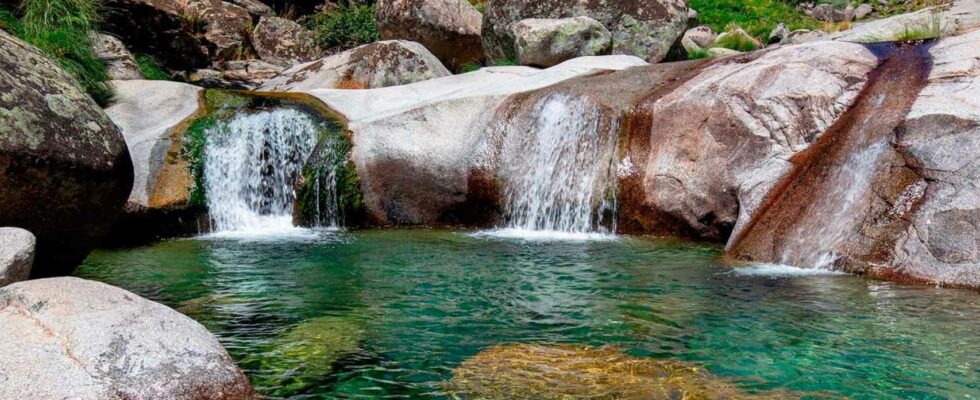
(251, 164)
(327, 165)
(560, 175)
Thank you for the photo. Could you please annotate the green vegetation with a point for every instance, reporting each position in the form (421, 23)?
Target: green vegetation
(151, 68)
(345, 27)
(62, 30)
(698, 54)
(931, 29)
(736, 40)
(507, 62)
(757, 17)
(330, 161)
(479, 4)
(192, 150)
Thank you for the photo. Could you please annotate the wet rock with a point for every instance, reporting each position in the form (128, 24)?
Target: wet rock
(380, 64)
(698, 38)
(548, 42)
(65, 171)
(89, 340)
(16, 255)
(778, 34)
(938, 139)
(416, 152)
(283, 42)
(119, 62)
(532, 371)
(645, 28)
(450, 29)
(710, 150)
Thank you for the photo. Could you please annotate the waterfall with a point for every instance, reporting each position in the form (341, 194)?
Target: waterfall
(251, 164)
(559, 173)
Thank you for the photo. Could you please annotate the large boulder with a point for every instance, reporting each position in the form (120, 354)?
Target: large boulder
(450, 29)
(418, 152)
(153, 117)
(698, 38)
(375, 65)
(65, 171)
(548, 42)
(703, 156)
(16, 255)
(69, 337)
(643, 28)
(119, 62)
(283, 42)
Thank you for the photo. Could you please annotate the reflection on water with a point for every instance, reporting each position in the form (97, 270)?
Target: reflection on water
(392, 313)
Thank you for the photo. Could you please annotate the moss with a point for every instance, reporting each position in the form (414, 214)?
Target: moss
(332, 154)
(150, 68)
(195, 138)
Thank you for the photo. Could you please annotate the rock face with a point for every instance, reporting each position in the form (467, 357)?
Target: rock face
(119, 61)
(548, 42)
(644, 28)
(65, 171)
(16, 255)
(702, 157)
(450, 29)
(88, 340)
(418, 154)
(375, 65)
(283, 42)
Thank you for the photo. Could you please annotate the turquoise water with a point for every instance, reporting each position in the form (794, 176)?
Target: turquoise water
(390, 313)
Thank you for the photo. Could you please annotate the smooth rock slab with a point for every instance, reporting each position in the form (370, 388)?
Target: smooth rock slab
(549, 42)
(80, 339)
(16, 255)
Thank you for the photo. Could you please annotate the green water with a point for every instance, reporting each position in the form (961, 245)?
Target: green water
(389, 314)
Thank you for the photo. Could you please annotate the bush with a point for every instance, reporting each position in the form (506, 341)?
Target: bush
(150, 68)
(61, 29)
(345, 27)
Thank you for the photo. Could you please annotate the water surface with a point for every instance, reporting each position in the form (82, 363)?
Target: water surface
(390, 313)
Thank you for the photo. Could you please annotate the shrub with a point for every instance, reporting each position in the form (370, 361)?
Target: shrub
(151, 68)
(344, 27)
(62, 30)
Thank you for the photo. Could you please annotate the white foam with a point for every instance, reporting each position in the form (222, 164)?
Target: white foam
(269, 228)
(782, 271)
(544, 236)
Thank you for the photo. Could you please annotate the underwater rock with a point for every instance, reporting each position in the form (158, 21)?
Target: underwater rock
(450, 29)
(543, 372)
(375, 65)
(16, 255)
(645, 28)
(549, 42)
(65, 171)
(88, 340)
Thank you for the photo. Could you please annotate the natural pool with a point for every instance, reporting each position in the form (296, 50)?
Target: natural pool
(391, 313)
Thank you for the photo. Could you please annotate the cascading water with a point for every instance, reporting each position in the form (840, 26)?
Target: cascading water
(251, 164)
(560, 174)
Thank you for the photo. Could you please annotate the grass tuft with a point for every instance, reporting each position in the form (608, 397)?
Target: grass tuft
(344, 27)
(698, 54)
(736, 41)
(62, 30)
(151, 68)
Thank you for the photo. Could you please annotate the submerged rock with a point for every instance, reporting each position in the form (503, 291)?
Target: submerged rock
(450, 29)
(16, 255)
(88, 340)
(531, 371)
(549, 42)
(375, 65)
(644, 28)
(65, 171)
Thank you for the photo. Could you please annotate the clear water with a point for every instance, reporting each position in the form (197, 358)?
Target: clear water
(390, 313)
